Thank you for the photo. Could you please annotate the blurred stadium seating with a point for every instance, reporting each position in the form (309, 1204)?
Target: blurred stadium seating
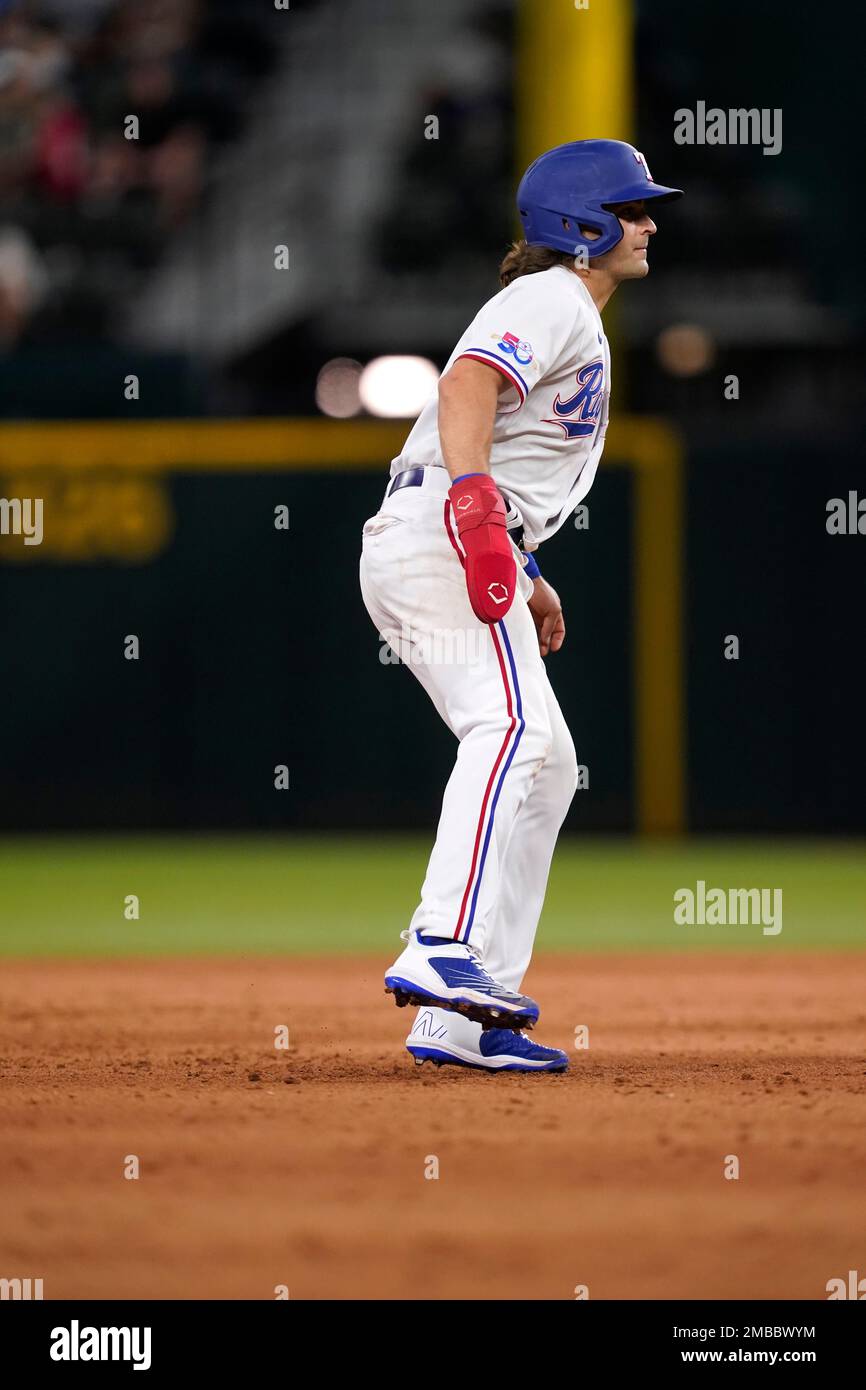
(89, 213)
(308, 128)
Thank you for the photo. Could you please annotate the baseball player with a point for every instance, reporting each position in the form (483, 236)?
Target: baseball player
(497, 460)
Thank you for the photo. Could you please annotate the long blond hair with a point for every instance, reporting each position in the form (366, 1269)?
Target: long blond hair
(529, 260)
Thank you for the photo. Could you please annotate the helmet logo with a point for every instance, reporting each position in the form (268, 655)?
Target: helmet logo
(641, 159)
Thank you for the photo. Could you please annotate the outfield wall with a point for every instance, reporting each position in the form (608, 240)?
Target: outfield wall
(255, 649)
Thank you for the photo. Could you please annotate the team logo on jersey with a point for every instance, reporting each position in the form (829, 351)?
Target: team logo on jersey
(584, 406)
(521, 351)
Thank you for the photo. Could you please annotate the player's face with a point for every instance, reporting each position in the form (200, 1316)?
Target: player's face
(628, 259)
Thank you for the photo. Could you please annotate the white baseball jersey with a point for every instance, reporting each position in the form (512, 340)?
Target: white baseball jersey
(544, 333)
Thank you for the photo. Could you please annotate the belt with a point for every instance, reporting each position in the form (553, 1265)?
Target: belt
(414, 477)
(410, 477)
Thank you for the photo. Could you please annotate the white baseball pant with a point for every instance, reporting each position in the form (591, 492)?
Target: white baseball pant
(516, 769)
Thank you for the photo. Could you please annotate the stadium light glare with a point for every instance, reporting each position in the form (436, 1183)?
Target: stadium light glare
(685, 349)
(337, 388)
(397, 387)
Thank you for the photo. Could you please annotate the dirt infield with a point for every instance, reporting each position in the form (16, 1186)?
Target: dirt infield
(260, 1167)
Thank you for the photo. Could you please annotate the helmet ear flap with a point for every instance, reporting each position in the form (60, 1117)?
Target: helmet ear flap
(605, 225)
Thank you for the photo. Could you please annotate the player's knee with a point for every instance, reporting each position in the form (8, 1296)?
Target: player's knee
(572, 771)
(529, 738)
(562, 765)
(537, 736)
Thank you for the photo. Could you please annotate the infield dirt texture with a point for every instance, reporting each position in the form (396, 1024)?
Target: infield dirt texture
(306, 1168)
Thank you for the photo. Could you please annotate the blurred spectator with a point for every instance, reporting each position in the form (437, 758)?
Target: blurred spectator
(77, 190)
(452, 196)
(22, 283)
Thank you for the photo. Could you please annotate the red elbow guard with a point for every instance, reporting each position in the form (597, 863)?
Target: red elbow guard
(491, 572)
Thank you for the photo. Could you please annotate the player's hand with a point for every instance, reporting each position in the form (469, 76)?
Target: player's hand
(546, 611)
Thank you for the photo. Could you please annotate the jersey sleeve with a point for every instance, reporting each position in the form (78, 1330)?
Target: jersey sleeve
(521, 332)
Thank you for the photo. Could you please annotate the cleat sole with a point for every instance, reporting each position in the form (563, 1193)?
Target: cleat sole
(422, 1054)
(477, 1013)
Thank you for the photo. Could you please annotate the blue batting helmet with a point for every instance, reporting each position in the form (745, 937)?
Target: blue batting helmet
(573, 186)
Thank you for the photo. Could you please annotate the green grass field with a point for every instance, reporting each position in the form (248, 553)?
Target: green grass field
(241, 894)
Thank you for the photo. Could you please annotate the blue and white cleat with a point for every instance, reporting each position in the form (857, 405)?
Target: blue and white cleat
(435, 970)
(446, 1039)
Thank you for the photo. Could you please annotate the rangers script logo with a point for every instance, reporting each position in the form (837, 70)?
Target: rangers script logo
(584, 405)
